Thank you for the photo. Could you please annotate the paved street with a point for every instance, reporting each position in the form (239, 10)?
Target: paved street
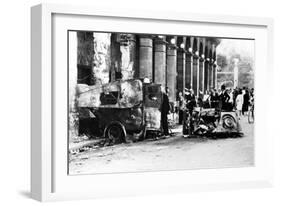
(172, 153)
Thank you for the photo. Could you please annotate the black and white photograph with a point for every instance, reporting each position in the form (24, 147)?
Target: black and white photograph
(157, 102)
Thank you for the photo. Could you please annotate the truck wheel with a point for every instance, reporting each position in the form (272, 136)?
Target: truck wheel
(115, 134)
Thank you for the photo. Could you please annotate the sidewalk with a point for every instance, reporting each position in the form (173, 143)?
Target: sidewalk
(75, 146)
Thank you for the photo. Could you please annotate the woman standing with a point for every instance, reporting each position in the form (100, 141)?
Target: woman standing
(239, 102)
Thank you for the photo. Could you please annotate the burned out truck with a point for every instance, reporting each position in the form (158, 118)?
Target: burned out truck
(123, 110)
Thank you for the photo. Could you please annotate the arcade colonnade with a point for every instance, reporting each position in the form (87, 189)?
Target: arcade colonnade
(176, 62)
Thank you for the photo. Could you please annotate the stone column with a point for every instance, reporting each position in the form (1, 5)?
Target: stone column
(188, 71)
(145, 58)
(195, 77)
(206, 79)
(171, 71)
(160, 61)
(211, 75)
(214, 75)
(128, 55)
(214, 68)
(180, 70)
(235, 72)
(201, 74)
(101, 66)
(115, 70)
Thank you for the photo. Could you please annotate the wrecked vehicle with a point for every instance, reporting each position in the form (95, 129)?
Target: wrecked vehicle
(214, 122)
(123, 110)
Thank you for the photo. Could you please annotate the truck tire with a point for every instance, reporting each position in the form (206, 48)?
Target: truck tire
(115, 134)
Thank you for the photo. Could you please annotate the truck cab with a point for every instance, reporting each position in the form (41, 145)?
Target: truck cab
(124, 108)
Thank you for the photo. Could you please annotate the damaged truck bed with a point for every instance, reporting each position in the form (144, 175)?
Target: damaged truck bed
(121, 109)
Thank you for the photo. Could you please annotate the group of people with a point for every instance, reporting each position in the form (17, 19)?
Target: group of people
(222, 99)
(186, 104)
(242, 99)
(238, 98)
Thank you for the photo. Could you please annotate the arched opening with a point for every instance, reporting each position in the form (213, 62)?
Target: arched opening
(210, 54)
(201, 51)
(206, 53)
(188, 43)
(194, 48)
(215, 56)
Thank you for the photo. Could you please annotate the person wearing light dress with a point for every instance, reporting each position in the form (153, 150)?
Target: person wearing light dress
(239, 103)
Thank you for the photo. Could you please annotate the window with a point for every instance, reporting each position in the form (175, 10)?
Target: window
(109, 98)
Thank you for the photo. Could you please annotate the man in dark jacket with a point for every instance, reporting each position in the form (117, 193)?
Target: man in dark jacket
(224, 98)
(190, 101)
(246, 100)
(165, 108)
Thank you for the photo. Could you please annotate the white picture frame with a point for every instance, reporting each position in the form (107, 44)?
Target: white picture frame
(49, 179)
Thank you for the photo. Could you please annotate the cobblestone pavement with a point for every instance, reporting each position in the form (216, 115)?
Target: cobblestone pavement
(173, 153)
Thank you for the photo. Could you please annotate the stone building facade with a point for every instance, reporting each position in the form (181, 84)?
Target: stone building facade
(176, 62)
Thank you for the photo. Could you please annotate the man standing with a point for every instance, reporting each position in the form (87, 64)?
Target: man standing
(224, 98)
(246, 99)
(234, 95)
(165, 108)
(214, 99)
(180, 106)
(190, 104)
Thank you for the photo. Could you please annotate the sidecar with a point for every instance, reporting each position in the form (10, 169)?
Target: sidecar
(229, 121)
